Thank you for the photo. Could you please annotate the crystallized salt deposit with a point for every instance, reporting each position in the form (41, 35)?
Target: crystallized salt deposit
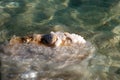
(76, 38)
(64, 36)
(30, 59)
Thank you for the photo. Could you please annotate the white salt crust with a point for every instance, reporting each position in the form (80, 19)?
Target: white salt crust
(63, 36)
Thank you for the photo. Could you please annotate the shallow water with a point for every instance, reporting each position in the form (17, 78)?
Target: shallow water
(98, 21)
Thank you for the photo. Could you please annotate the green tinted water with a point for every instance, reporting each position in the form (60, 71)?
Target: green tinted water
(96, 20)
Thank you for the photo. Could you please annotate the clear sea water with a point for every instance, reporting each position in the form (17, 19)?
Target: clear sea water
(98, 21)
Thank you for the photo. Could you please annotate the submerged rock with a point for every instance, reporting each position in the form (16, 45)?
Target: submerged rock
(12, 5)
(116, 30)
(46, 57)
(4, 18)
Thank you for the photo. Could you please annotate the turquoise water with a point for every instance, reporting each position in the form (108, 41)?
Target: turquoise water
(96, 20)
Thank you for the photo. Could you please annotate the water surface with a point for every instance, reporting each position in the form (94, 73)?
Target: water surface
(98, 21)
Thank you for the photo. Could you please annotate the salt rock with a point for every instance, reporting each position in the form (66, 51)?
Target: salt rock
(53, 39)
(50, 53)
